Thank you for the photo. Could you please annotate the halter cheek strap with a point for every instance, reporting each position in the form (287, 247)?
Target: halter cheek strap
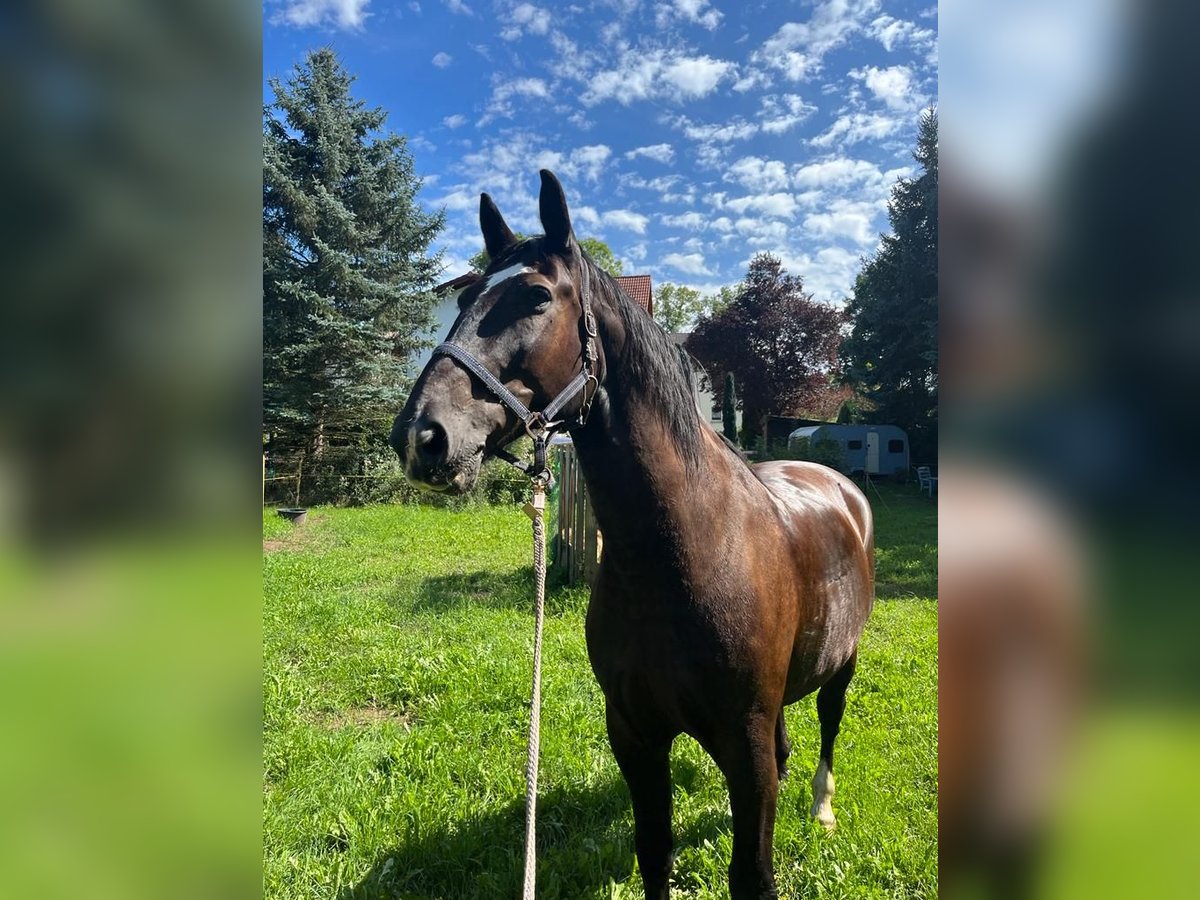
(541, 425)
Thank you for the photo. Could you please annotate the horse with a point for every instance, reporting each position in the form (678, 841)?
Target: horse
(725, 590)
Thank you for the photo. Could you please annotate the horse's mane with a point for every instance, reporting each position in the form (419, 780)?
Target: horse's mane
(656, 366)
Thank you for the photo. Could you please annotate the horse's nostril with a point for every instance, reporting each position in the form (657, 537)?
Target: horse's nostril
(430, 442)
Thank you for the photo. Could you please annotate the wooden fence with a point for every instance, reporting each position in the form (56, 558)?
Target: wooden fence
(577, 541)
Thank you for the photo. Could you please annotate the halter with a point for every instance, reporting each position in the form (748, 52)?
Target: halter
(541, 425)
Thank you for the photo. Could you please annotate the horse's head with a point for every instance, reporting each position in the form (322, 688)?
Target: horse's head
(523, 323)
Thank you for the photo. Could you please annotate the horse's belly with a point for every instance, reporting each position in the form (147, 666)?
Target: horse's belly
(822, 647)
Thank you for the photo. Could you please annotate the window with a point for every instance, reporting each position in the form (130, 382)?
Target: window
(895, 446)
(853, 445)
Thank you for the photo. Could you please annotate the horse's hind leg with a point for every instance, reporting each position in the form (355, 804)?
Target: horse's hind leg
(831, 703)
(783, 747)
(647, 771)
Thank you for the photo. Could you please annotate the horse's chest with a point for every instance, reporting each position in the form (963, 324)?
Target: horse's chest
(654, 662)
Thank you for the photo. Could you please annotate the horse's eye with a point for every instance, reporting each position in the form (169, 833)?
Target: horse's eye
(539, 295)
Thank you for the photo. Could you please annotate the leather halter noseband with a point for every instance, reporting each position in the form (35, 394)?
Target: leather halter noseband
(541, 425)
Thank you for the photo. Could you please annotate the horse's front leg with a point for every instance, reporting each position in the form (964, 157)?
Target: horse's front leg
(748, 759)
(647, 771)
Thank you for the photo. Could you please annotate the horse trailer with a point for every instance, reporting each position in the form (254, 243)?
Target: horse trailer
(874, 449)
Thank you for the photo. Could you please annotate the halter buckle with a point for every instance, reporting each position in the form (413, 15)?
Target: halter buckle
(585, 408)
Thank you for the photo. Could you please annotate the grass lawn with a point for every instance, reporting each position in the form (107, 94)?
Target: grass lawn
(397, 661)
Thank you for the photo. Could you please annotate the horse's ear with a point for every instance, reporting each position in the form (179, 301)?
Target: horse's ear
(497, 236)
(556, 219)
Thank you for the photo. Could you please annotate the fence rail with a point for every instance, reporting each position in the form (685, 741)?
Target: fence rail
(577, 541)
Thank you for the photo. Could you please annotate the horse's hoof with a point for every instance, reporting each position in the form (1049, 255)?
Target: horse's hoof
(823, 788)
(824, 815)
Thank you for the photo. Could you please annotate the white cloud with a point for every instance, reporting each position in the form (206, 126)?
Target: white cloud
(525, 18)
(721, 224)
(752, 79)
(829, 273)
(892, 85)
(893, 32)
(662, 153)
(345, 14)
(689, 263)
(691, 220)
(798, 48)
(660, 185)
(588, 161)
(459, 199)
(582, 162)
(780, 114)
(758, 174)
(737, 129)
(850, 219)
(697, 12)
(454, 121)
(527, 87)
(779, 204)
(854, 127)
(441, 60)
(656, 75)
(586, 215)
(839, 172)
(501, 103)
(458, 7)
(626, 220)
(761, 231)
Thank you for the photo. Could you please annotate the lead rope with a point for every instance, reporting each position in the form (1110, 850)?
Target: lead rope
(535, 509)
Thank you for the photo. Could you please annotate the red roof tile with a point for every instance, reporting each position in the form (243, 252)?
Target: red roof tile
(639, 290)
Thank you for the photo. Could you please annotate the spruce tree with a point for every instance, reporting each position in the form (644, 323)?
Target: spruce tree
(891, 352)
(729, 409)
(347, 276)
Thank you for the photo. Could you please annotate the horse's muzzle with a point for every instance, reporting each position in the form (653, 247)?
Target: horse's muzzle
(424, 450)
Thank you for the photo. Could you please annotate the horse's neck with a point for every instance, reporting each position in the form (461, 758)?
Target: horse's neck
(639, 479)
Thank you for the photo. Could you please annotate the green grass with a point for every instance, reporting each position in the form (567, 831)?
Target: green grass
(397, 661)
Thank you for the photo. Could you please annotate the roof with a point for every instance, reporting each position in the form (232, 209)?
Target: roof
(457, 284)
(639, 290)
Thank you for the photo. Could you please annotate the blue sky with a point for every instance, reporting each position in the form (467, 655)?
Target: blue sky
(689, 135)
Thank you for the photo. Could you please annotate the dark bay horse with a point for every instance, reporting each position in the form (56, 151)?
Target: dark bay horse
(725, 590)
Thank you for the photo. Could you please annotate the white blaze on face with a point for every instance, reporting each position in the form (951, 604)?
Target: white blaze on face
(822, 808)
(503, 275)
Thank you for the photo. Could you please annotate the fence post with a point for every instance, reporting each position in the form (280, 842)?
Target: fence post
(590, 534)
(299, 473)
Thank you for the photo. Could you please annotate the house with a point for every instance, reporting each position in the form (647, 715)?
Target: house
(706, 399)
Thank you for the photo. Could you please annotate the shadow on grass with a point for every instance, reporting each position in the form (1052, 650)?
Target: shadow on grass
(495, 590)
(584, 842)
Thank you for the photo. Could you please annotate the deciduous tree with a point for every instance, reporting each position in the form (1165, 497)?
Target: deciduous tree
(781, 344)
